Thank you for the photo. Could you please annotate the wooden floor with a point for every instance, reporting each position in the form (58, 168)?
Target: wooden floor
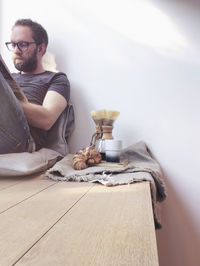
(43, 222)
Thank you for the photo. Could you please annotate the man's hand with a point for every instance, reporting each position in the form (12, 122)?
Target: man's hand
(44, 116)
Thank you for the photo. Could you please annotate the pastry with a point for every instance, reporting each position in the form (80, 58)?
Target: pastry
(86, 157)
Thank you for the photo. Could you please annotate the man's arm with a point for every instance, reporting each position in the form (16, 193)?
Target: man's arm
(44, 116)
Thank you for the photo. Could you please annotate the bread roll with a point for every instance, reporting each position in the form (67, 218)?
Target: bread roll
(86, 157)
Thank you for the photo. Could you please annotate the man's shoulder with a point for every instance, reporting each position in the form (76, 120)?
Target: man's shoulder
(56, 74)
(58, 77)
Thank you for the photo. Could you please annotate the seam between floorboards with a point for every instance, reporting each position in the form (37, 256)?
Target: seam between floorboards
(17, 182)
(21, 179)
(27, 198)
(51, 226)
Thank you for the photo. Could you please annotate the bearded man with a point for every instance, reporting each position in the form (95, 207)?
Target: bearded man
(25, 125)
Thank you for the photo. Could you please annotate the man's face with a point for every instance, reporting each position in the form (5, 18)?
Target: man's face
(25, 61)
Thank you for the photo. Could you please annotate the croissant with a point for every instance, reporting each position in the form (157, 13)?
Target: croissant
(86, 157)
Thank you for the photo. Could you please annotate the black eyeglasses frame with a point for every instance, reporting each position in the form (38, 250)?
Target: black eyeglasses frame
(14, 44)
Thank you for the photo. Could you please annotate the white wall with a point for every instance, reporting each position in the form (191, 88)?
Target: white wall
(143, 59)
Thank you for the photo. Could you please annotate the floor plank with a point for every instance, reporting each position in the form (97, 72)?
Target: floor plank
(20, 191)
(108, 226)
(6, 182)
(23, 225)
(9, 181)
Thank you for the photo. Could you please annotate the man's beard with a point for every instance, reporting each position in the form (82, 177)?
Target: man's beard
(27, 65)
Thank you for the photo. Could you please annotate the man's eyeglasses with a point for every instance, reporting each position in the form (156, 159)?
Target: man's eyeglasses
(22, 46)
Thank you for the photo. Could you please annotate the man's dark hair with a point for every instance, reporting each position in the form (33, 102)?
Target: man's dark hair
(39, 33)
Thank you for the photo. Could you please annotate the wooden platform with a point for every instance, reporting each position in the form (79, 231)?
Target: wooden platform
(43, 222)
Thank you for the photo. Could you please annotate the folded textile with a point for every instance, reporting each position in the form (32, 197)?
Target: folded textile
(140, 167)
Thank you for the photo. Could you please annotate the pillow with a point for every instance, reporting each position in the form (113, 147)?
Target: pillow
(25, 163)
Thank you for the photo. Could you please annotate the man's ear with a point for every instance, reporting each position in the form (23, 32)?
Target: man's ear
(42, 48)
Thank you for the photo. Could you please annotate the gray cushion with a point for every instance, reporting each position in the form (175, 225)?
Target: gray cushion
(59, 133)
(25, 163)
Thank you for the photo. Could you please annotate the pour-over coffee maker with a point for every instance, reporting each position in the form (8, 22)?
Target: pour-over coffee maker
(104, 120)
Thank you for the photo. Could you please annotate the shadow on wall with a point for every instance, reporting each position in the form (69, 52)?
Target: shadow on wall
(84, 126)
(178, 241)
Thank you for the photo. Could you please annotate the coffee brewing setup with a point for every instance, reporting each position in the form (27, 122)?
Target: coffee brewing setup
(104, 120)
(102, 145)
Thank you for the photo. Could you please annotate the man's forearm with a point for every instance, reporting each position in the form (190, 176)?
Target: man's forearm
(44, 116)
(38, 115)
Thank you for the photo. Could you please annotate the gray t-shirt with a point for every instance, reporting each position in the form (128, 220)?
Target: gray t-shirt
(35, 87)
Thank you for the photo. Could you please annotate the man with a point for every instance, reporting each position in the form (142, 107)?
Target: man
(24, 123)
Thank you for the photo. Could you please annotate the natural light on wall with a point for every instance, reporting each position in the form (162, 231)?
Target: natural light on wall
(138, 20)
